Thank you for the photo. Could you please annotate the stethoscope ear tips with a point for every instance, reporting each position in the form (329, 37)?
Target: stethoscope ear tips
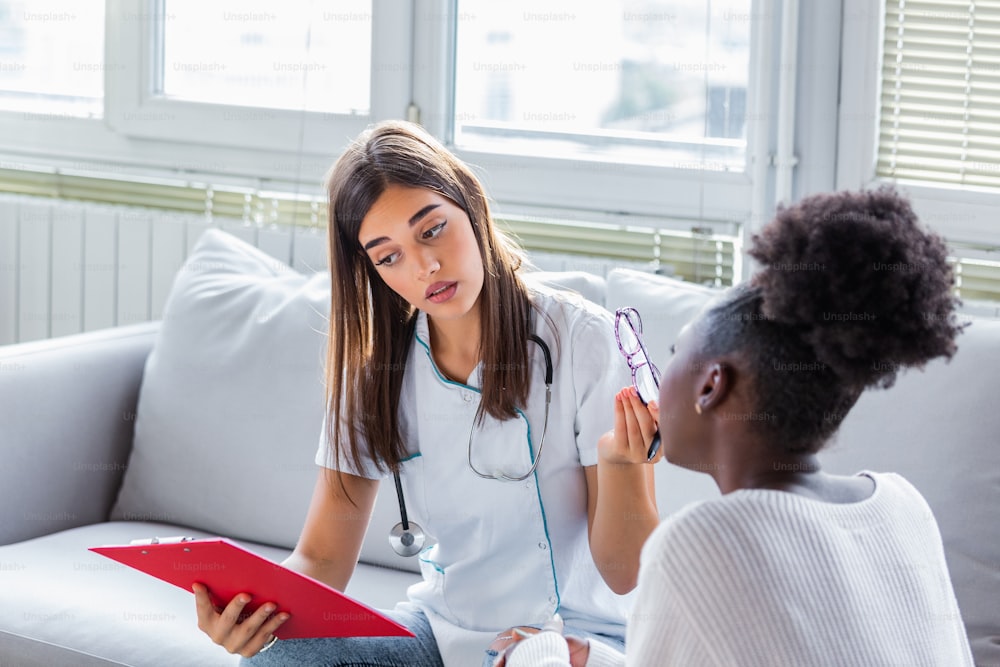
(407, 542)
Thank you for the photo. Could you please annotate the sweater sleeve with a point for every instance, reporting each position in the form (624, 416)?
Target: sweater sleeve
(545, 649)
(549, 649)
(602, 655)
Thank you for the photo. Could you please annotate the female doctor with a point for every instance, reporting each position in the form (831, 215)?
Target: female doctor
(484, 399)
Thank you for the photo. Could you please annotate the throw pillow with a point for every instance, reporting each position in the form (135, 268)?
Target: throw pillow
(231, 402)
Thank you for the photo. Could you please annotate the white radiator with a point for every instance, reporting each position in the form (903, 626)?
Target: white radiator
(68, 267)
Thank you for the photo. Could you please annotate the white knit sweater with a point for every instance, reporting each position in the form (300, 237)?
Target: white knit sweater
(772, 578)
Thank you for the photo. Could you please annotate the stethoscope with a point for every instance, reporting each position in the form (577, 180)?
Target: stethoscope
(407, 537)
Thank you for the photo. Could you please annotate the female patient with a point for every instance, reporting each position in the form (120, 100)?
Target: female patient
(794, 566)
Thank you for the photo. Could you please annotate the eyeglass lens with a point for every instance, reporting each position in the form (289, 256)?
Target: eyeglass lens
(645, 383)
(627, 333)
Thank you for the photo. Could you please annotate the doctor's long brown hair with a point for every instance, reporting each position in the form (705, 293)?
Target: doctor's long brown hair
(371, 327)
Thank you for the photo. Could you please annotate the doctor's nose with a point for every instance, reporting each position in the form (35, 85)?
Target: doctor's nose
(427, 265)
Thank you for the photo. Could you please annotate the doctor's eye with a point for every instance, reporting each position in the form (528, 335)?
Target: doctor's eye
(434, 231)
(388, 260)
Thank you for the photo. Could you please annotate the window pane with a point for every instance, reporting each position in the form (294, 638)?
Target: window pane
(295, 54)
(52, 57)
(630, 80)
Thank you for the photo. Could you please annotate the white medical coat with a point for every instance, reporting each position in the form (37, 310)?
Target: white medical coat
(509, 553)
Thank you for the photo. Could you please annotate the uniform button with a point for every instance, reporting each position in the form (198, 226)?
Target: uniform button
(543, 546)
(552, 599)
(527, 485)
(467, 397)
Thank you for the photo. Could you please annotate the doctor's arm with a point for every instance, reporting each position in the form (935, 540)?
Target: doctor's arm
(330, 542)
(621, 498)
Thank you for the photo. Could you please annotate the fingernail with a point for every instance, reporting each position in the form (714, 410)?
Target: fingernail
(284, 617)
(269, 608)
(654, 404)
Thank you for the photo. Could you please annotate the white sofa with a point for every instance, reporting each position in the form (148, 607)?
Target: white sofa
(206, 423)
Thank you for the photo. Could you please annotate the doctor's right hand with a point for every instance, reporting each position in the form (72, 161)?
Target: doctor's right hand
(228, 628)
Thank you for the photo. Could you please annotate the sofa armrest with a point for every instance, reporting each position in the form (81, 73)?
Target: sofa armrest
(66, 427)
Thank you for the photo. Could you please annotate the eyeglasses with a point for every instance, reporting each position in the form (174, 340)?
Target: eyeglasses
(645, 375)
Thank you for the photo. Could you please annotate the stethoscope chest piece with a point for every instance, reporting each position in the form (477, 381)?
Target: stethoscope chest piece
(406, 537)
(407, 541)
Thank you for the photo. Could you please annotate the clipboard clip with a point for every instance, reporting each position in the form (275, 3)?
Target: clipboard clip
(162, 540)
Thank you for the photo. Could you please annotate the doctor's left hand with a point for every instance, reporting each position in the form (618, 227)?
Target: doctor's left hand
(635, 426)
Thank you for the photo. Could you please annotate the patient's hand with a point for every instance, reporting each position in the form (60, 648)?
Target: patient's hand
(228, 628)
(635, 426)
(579, 649)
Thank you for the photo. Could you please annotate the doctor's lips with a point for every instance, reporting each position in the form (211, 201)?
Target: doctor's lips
(440, 291)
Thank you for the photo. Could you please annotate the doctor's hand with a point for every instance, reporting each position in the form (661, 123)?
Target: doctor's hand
(635, 426)
(232, 629)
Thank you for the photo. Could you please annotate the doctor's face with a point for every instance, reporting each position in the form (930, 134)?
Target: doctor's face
(422, 245)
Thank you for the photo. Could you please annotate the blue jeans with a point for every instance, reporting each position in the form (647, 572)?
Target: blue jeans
(418, 651)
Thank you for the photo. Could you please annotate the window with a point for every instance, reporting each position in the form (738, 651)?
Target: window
(268, 55)
(643, 81)
(291, 77)
(52, 57)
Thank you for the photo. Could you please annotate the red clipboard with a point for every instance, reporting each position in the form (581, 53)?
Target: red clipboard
(317, 610)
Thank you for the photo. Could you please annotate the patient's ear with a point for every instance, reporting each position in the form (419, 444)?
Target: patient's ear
(714, 384)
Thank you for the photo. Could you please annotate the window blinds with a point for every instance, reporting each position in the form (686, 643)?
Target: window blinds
(940, 104)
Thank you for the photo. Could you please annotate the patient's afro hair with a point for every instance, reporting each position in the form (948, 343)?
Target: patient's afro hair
(875, 294)
(851, 291)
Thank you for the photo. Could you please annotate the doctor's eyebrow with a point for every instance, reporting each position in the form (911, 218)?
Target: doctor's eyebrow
(414, 219)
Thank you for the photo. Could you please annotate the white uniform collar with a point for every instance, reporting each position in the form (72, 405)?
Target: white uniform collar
(422, 334)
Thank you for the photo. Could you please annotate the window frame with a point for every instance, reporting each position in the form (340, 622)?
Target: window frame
(134, 110)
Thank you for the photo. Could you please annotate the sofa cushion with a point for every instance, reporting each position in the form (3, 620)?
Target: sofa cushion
(231, 402)
(938, 429)
(588, 285)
